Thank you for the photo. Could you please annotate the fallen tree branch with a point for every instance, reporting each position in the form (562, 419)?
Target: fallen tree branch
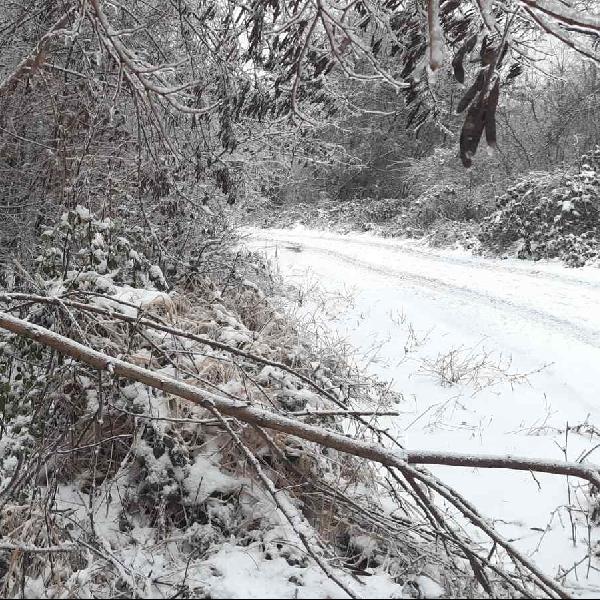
(346, 413)
(247, 413)
(214, 344)
(241, 410)
(263, 418)
(590, 473)
(145, 322)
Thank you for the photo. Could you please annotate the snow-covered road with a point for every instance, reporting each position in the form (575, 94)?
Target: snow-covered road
(421, 318)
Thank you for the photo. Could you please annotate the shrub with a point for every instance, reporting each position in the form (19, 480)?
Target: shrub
(550, 215)
(85, 251)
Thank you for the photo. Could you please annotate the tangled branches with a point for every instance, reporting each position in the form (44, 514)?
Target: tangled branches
(409, 485)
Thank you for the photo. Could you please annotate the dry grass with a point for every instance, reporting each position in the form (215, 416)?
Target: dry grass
(473, 367)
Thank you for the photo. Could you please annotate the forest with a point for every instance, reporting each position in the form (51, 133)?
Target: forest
(299, 298)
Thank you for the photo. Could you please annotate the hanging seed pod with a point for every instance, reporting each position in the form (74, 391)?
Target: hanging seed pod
(483, 49)
(490, 114)
(472, 130)
(514, 71)
(449, 6)
(502, 55)
(412, 114)
(488, 56)
(457, 62)
(472, 92)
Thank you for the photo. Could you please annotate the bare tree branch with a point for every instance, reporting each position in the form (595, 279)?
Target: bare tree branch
(263, 418)
(36, 57)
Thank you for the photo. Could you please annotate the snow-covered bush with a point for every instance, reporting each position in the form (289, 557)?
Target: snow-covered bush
(550, 215)
(129, 480)
(85, 251)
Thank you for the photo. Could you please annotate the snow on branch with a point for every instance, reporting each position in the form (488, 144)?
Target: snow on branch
(562, 35)
(487, 15)
(566, 15)
(139, 71)
(36, 57)
(19, 547)
(263, 418)
(238, 409)
(435, 41)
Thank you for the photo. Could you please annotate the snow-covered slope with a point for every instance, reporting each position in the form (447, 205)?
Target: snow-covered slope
(491, 356)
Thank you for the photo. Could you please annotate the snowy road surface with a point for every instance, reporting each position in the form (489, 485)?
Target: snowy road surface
(490, 356)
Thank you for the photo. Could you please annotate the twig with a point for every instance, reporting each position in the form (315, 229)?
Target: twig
(39, 549)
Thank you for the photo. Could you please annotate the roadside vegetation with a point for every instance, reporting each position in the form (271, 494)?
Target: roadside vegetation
(166, 428)
(395, 180)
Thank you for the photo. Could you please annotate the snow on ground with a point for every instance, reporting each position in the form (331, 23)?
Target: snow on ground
(490, 356)
(275, 567)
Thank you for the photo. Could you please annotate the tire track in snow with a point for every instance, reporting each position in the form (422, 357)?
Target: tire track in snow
(484, 264)
(580, 333)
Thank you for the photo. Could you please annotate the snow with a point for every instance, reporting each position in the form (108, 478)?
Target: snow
(523, 340)
(83, 213)
(275, 566)
(205, 478)
(233, 337)
(436, 56)
(236, 572)
(142, 298)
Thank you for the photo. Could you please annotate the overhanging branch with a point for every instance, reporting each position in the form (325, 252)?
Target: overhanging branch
(35, 58)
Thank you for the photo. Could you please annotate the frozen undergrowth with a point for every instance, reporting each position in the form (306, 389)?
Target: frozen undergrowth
(109, 488)
(162, 503)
